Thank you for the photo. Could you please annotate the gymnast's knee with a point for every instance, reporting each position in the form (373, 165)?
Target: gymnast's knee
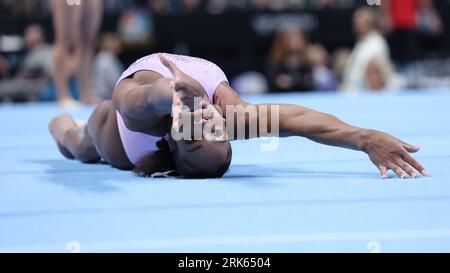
(82, 147)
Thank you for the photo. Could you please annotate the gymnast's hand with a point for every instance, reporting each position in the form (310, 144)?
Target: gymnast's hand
(390, 153)
(185, 86)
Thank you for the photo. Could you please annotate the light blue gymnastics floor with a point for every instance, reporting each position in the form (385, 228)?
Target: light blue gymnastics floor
(304, 197)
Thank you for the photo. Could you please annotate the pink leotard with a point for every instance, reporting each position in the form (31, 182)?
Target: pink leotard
(210, 76)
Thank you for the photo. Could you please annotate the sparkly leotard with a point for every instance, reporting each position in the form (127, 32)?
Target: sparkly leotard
(137, 145)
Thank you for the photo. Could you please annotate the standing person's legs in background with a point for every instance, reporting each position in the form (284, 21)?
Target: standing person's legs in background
(66, 20)
(89, 25)
(76, 28)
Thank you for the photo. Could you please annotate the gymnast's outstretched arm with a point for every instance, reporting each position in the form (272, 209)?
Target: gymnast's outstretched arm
(385, 151)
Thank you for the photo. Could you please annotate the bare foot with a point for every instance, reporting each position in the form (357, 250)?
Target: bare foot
(58, 128)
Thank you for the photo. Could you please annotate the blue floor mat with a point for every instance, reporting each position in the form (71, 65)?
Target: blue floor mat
(303, 197)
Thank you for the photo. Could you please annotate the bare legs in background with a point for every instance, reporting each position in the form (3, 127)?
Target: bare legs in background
(76, 28)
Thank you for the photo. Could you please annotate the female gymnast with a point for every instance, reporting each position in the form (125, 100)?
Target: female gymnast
(135, 130)
(76, 25)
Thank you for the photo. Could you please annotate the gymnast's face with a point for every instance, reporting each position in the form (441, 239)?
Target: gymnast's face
(198, 140)
(208, 157)
(201, 158)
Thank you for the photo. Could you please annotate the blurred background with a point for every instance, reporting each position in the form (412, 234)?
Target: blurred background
(263, 46)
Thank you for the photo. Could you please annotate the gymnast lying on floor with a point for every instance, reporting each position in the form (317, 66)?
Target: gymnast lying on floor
(157, 94)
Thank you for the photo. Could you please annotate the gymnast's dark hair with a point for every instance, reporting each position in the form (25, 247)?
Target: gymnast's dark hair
(159, 161)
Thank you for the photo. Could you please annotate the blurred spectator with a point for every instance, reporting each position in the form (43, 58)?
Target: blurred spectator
(136, 25)
(339, 63)
(34, 72)
(4, 67)
(288, 69)
(30, 8)
(27, 8)
(377, 74)
(320, 4)
(414, 26)
(259, 4)
(220, 6)
(431, 30)
(324, 79)
(191, 6)
(402, 18)
(399, 20)
(216, 6)
(370, 45)
(429, 21)
(278, 5)
(107, 67)
(159, 6)
(115, 6)
(250, 83)
(38, 60)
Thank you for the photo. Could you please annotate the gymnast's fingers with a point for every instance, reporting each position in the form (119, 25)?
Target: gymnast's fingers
(413, 162)
(398, 171)
(405, 167)
(383, 171)
(411, 148)
(171, 66)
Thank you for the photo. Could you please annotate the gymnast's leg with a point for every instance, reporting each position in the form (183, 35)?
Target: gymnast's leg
(73, 139)
(98, 139)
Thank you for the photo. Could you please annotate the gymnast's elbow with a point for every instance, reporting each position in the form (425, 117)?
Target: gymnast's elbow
(131, 104)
